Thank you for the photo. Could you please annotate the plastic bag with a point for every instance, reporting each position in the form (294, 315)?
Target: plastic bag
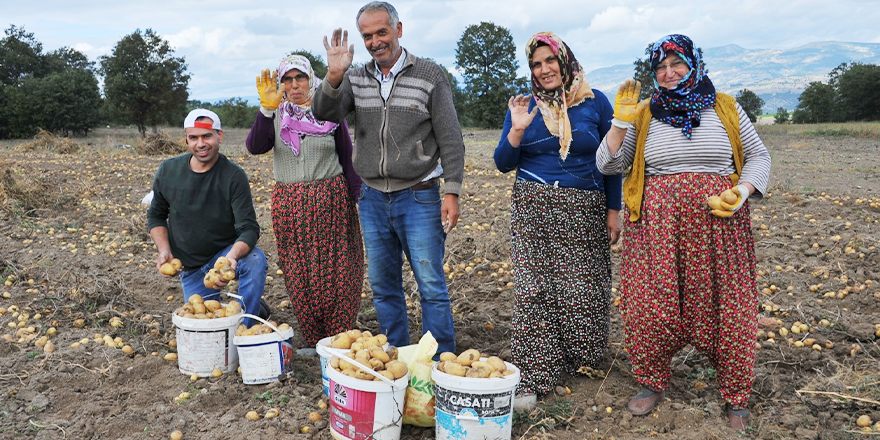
(419, 406)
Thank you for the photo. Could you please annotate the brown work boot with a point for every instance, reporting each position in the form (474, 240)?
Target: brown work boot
(645, 401)
(738, 418)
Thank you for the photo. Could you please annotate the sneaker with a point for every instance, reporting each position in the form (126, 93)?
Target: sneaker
(307, 352)
(265, 311)
(525, 401)
(644, 401)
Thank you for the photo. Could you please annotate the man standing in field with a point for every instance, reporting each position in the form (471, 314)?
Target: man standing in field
(405, 127)
(202, 210)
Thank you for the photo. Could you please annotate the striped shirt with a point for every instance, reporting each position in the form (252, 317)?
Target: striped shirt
(708, 151)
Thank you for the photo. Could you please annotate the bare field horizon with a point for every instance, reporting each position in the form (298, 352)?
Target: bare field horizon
(74, 250)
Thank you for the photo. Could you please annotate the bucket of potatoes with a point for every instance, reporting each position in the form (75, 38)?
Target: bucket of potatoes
(361, 355)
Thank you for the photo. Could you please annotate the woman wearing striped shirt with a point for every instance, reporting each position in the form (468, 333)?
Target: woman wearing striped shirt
(687, 272)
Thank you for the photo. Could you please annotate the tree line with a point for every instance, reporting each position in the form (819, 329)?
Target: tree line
(145, 85)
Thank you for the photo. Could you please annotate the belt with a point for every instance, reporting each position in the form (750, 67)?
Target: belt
(428, 184)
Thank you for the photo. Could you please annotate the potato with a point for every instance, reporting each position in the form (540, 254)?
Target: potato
(196, 299)
(362, 356)
(271, 413)
(479, 372)
(495, 374)
(175, 435)
(220, 313)
(484, 364)
(252, 415)
(376, 364)
(342, 340)
(714, 202)
(212, 305)
(283, 327)
(387, 375)
(497, 363)
(170, 356)
(730, 197)
(377, 352)
(367, 334)
(353, 334)
(233, 308)
(221, 263)
(382, 339)
(315, 416)
(441, 365)
(448, 356)
(334, 362)
(396, 368)
(391, 351)
(176, 264)
(350, 372)
(167, 269)
(227, 273)
(362, 375)
(199, 308)
(357, 346)
(371, 342)
(454, 368)
(468, 357)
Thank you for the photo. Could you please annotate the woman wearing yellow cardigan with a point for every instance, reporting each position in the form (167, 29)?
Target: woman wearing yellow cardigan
(688, 269)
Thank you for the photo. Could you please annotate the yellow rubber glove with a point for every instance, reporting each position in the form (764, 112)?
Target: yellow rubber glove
(626, 103)
(267, 87)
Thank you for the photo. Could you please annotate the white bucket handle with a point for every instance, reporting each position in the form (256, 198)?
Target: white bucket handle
(340, 353)
(246, 315)
(240, 301)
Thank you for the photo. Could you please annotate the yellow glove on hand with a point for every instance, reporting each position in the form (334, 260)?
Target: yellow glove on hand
(626, 103)
(267, 87)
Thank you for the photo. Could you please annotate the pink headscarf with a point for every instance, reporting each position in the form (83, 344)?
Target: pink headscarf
(297, 120)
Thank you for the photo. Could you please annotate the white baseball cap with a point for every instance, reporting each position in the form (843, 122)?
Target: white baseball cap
(190, 121)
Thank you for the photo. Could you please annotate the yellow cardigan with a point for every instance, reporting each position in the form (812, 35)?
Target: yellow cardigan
(634, 186)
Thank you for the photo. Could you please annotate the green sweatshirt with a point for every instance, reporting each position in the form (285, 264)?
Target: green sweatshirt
(204, 212)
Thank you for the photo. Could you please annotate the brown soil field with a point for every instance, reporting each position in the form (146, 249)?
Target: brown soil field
(74, 253)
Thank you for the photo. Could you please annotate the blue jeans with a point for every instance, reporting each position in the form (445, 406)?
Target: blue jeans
(250, 272)
(406, 222)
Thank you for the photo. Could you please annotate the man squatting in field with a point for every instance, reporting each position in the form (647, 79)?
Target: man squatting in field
(406, 124)
(202, 210)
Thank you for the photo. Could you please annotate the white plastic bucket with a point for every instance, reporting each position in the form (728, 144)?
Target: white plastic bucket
(473, 408)
(264, 358)
(361, 409)
(321, 347)
(205, 345)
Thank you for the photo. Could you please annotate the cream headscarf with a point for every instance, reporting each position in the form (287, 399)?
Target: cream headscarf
(554, 104)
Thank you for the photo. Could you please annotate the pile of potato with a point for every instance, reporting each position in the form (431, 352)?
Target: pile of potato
(172, 268)
(470, 363)
(198, 308)
(723, 204)
(366, 349)
(260, 329)
(222, 271)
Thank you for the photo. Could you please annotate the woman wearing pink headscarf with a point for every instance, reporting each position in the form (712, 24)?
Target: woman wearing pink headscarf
(313, 203)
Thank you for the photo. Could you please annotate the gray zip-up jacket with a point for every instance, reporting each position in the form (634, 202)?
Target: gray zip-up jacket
(398, 142)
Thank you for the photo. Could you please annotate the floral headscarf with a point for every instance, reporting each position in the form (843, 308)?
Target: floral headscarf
(680, 107)
(297, 120)
(554, 104)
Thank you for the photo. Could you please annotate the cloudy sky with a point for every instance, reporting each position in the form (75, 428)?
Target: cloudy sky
(226, 43)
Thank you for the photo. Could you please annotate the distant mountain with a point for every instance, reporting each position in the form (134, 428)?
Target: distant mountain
(777, 76)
